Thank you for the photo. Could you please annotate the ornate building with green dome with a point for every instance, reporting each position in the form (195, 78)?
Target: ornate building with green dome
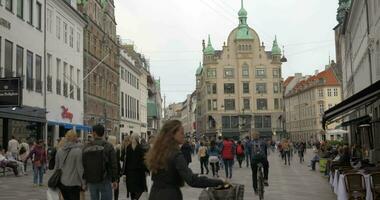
(239, 88)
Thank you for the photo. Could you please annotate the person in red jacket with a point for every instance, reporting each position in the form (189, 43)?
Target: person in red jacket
(227, 151)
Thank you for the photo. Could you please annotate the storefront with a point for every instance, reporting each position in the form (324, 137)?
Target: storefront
(360, 116)
(25, 123)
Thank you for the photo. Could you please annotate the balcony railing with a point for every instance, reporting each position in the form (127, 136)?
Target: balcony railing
(65, 87)
(29, 83)
(58, 86)
(71, 91)
(39, 86)
(78, 93)
(49, 84)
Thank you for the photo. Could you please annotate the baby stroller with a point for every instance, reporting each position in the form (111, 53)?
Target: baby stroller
(228, 192)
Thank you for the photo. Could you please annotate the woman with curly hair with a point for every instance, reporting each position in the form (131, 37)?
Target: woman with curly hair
(169, 167)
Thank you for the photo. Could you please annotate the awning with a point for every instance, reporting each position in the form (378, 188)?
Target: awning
(24, 113)
(363, 97)
(358, 120)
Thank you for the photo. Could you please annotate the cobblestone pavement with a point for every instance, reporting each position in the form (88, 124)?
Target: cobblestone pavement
(295, 182)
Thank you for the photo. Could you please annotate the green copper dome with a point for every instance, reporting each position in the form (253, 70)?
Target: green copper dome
(199, 70)
(243, 33)
(209, 50)
(275, 48)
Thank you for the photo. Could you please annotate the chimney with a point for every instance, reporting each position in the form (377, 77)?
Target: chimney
(203, 45)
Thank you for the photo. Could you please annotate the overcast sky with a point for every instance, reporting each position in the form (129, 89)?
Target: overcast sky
(170, 33)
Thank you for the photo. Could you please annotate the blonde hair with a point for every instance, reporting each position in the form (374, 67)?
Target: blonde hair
(112, 139)
(71, 135)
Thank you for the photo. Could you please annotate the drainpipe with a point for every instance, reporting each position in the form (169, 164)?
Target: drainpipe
(45, 126)
(369, 49)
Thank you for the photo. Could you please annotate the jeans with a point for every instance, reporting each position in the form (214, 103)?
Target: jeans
(247, 158)
(300, 153)
(287, 157)
(215, 168)
(38, 175)
(101, 191)
(204, 164)
(254, 163)
(70, 192)
(228, 167)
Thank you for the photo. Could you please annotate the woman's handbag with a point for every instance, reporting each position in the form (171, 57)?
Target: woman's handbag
(55, 178)
(213, 159)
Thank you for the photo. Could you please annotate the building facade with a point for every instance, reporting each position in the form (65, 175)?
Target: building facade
(306, 103)
(357, 39)
(130, 95)
(64, 69)
(154, 105)
(239, 88)
(101, 65)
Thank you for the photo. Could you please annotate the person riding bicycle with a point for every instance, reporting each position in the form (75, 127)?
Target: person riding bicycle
(258, 153)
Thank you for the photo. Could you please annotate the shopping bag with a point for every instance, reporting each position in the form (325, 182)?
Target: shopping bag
(52, 194)
(82, 195)
(235, 192)
(149, 183)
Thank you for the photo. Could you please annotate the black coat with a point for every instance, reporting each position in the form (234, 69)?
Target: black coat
(167, 183)
(135, 169)
(186, 150)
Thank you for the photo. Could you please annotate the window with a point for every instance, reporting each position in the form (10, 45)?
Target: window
(78, 42)
(58, 27)
(245, 88)
(71, 74)
(261, 88)
(49, 18)
(229, 104)
(276, 73)
(267, 122)
(78, 77)
(229, 88)
(228, 73)
(226, 121)
(9, 5)
(214, 104)
(48, 64)
(321, 108)
(262, 104)
(31, 12)
(246, 104)
(275, 88)
(71, 37)
(38, 74)
(211, 73)
(138, 110)
(65, 32)
(335, 92)
(29, 70)
(58, 68)
(39, 16)
(260, 73)
(19, 61)
(64, 71)
(8, 58)
(122, 104)
(211, 88)
(245, 71)
(276, 104)
(209, 106)
(20, 8)
(258, 121)
(329, 92)
(320, 92)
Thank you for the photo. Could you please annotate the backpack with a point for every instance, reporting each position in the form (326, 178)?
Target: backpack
(257, 150)
(239, 150)
(94, 163)
(228, 150)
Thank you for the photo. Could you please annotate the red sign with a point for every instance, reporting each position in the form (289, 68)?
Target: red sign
(66, 114)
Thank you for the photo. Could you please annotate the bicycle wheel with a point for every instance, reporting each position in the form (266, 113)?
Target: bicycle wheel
(260, 184)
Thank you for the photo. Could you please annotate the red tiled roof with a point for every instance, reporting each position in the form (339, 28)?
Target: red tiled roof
(287, 81)
(328, 76)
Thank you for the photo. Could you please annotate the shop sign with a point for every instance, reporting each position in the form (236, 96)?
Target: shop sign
(66, 114)
(10, 92)
(5, 23)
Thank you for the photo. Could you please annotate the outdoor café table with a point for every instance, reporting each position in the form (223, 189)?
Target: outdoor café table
(342, 192)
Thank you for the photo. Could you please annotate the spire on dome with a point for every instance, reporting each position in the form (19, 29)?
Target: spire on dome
(275, 48)
(209, 50)
(242, 15)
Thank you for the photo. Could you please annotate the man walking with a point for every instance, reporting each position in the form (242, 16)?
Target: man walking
(100, 166)
(13, 147)
(246, 150)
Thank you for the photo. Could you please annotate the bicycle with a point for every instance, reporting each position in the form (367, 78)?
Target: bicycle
(260, 181)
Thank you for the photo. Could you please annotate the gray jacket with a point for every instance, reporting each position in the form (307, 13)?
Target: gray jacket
(72, 170)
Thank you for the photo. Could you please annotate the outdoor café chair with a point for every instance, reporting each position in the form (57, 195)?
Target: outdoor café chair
(355, 186)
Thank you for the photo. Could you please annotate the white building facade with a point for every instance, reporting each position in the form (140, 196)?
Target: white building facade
(64, 69)
(129, 95)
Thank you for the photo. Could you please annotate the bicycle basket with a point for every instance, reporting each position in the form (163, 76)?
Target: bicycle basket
(235, 192)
